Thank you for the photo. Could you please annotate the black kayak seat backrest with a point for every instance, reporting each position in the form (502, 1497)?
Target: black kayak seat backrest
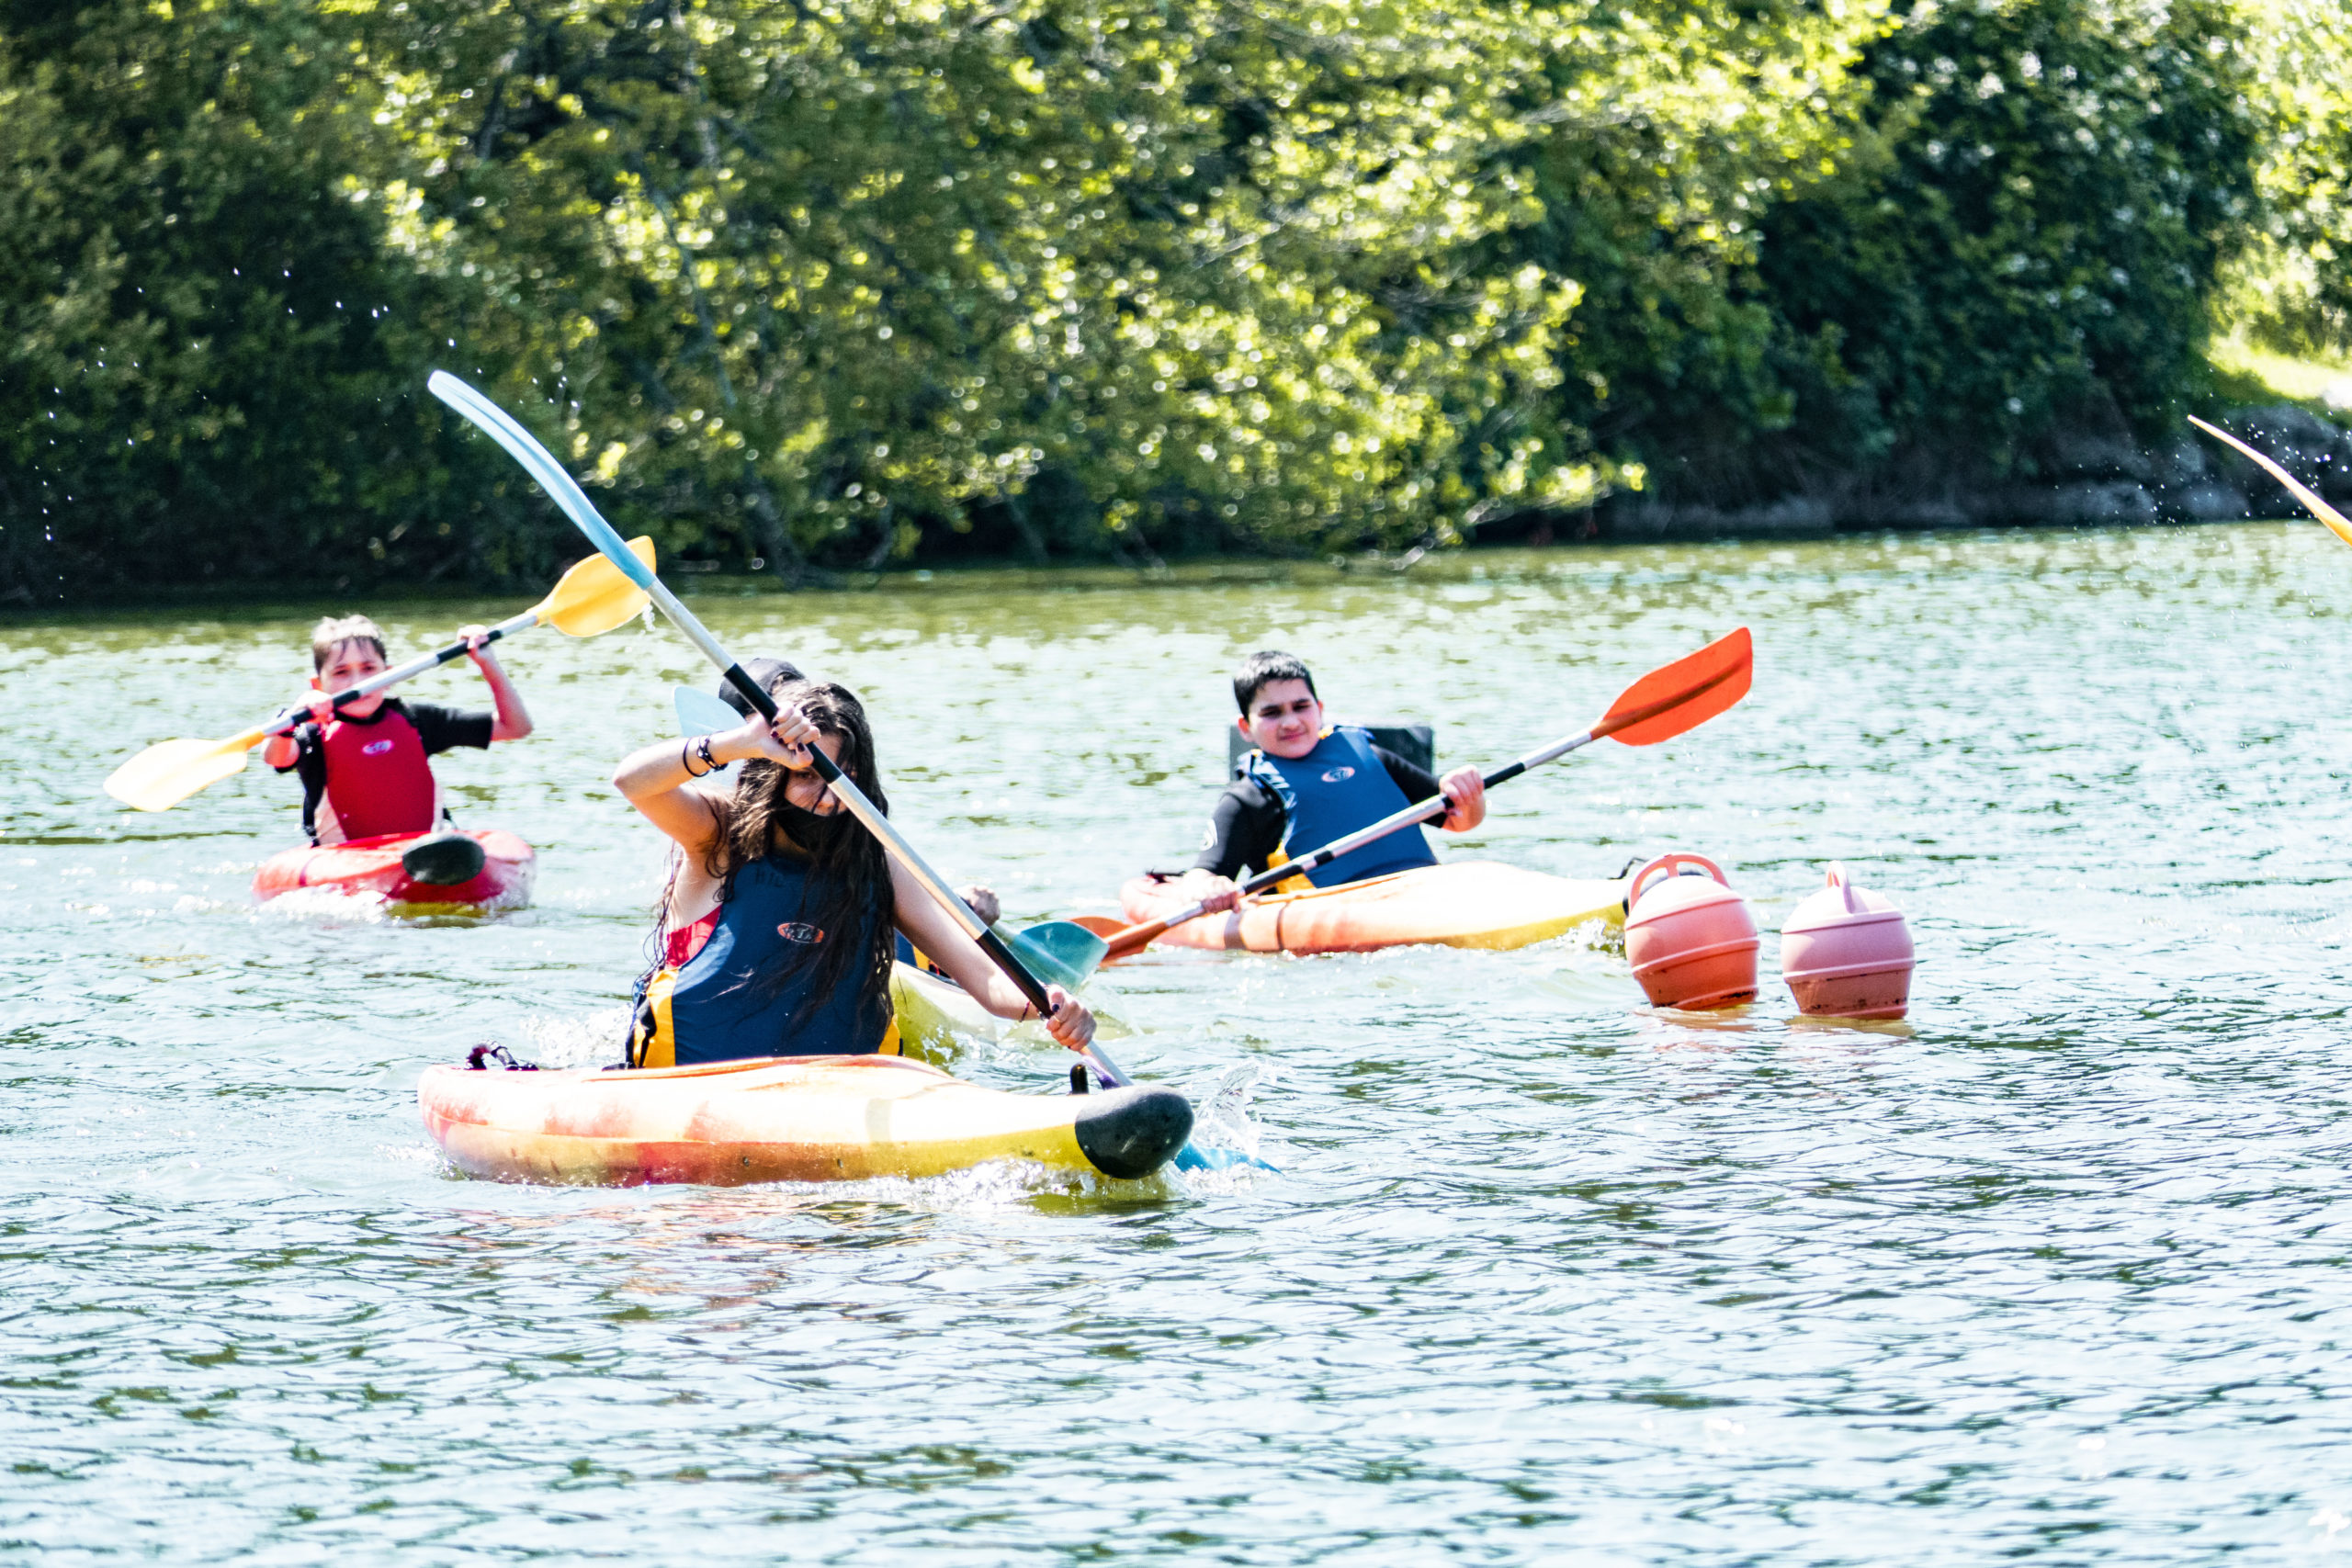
(1417, 743)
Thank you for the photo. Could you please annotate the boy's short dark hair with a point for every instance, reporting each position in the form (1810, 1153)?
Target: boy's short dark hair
(1262, 669)
(333, 631)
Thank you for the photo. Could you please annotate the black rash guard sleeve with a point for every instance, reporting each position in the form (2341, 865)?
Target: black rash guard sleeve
(1418, 782)
(442, 728)
(1244, 828)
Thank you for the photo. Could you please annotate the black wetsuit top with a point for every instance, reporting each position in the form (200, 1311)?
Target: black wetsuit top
(1246, 825)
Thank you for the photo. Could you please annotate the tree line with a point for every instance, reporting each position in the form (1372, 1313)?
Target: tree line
(823, 286)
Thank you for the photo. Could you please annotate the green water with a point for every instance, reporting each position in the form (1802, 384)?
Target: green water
(2059, 1273)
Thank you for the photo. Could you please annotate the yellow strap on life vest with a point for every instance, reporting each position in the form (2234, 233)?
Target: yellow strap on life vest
(653, 1041)
(1289, 883)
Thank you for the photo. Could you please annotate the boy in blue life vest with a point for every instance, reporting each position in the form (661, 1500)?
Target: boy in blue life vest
(1309, 782)
(364, 767)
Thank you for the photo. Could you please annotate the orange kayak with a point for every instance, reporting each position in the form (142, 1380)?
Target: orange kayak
(782, 1119)
(411, 868)
(1465, 904)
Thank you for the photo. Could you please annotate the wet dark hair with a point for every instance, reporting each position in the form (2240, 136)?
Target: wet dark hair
(1262, 669)
(851, 871)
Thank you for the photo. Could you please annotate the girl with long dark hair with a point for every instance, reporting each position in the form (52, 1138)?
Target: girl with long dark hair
(780, 918)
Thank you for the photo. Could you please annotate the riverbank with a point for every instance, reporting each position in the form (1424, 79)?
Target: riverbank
(2109, 480)
(2100, 478)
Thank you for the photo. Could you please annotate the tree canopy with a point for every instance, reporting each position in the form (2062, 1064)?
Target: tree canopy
(850, 282)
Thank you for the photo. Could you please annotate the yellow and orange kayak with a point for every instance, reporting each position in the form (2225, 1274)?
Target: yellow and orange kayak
(1465, 904)
(782, 1119)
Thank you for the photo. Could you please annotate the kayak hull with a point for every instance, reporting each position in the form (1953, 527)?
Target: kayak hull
(782, 1119)
(1463, 903)
(373, 866)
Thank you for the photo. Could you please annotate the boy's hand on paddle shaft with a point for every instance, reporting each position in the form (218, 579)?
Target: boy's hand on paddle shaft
(321, 706)
(1465, 800)
(1214, 893)
(484, 659)
(981, 901)
(1069, 1023)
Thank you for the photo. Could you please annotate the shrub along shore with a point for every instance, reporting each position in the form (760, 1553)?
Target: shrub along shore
(856, 283)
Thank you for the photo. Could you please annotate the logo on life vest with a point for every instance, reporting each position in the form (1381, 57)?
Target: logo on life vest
(799, 931)
(375, 747)
(1338, 775)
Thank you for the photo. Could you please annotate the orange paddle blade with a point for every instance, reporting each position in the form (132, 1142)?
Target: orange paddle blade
(1683, 695)
(2336, 520)
(1101, 925)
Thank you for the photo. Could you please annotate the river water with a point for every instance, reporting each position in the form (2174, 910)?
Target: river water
(2056, 1272)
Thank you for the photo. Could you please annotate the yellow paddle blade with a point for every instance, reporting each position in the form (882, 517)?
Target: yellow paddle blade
(2336, 520)
(593, 597)
(170, 771)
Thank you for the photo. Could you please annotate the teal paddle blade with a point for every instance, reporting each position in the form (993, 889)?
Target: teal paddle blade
(699, 713)
(1061, 953)
(1192, 1156)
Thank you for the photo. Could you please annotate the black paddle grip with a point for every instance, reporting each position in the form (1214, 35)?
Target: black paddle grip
(1017, 971)
(755, 695)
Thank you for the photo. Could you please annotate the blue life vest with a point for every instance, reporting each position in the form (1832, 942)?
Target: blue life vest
(1329, 793)
(715, 1007)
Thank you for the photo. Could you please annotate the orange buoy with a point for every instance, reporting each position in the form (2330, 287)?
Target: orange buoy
(1847, 953)
(1690, 938)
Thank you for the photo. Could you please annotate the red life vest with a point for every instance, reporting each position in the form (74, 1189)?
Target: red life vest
(377, 779)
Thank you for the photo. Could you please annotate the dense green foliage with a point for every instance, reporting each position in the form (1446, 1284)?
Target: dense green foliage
(853, 281)
(2292, 287)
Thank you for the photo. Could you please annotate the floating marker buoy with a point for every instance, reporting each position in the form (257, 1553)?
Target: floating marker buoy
(1847, 953)
(1690, 938)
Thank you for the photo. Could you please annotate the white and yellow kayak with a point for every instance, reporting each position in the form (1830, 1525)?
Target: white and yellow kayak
(782, 1119)
(1465, 904)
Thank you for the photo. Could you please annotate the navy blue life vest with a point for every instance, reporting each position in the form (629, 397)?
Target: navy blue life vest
(715, 1007)
(1329, 793)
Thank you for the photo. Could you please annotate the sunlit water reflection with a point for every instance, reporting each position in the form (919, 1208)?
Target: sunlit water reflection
(2056, 1272)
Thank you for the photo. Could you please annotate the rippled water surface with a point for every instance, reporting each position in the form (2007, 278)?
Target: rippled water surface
(2058, 1273)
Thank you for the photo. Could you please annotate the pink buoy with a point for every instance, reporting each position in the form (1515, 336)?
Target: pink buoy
(1847, 953)
(1691, 941)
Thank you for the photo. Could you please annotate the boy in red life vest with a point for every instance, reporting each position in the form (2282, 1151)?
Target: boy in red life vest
(363, 768)
(1310, 782)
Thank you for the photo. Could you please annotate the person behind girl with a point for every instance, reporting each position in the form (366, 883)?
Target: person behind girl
(781, 913)
(363, 765)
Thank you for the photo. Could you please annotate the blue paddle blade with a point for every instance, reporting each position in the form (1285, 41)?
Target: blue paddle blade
(1060, 953)
(1192, 1156)
(699, 713)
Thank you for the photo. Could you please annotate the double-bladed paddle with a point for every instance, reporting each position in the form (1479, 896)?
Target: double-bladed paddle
(2336, 522)
(1660, 706)
(589, 600)
(524, 449)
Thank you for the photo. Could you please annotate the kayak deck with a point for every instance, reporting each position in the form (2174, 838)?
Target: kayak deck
(1480, 903)
(373, 865)
(782, 1119)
